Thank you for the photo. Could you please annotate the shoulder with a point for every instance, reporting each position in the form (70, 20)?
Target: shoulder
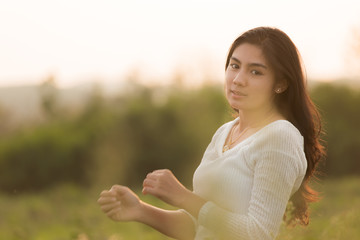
(281, 144)
(280, 132)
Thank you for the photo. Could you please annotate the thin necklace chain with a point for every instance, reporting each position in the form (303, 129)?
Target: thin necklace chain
(240, 134)
(231, 142)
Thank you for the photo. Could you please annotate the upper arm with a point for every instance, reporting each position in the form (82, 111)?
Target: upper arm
(279, 166)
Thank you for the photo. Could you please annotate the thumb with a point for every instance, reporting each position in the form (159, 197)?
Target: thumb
(119, 190)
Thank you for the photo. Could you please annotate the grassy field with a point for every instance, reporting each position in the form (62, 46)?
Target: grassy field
(69, 213)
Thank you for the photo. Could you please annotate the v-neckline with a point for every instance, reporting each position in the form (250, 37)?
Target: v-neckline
(227, 132)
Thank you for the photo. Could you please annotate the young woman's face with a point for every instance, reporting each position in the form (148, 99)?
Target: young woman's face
(250, 82)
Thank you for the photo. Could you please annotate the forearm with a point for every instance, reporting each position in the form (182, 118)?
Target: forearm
(192, 203)
(164, 185)
(175, 224)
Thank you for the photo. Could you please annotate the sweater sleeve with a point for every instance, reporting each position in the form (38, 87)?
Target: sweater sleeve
(278, 162)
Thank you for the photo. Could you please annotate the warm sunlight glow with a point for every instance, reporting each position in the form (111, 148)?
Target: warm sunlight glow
(80, 41)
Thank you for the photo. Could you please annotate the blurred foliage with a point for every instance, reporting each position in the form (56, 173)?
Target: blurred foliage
(68, 212)
(54, 152)
(48, 92)
(114, 140)
(164, 128)
(122, 138)
(339, 106)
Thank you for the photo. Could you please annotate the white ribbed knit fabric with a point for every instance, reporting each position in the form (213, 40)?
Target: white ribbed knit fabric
(248, 186)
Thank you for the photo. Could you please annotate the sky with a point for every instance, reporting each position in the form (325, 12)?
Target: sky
(79, 41)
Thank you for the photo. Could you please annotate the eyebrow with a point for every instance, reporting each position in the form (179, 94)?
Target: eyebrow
(250, 64)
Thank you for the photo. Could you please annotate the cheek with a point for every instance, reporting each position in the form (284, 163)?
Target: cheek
(228, 80)
(266, 94)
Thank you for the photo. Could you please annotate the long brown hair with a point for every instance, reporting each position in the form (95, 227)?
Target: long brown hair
(294, 103)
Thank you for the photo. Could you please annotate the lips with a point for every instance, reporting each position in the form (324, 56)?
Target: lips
(238, 93)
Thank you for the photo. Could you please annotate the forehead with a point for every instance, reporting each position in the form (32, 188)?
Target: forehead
(249, 53)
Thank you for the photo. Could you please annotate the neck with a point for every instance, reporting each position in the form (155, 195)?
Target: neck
(259, 118)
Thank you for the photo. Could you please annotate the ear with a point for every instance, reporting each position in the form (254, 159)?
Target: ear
(281, 86)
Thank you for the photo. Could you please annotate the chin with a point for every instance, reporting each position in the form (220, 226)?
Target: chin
(235, 107)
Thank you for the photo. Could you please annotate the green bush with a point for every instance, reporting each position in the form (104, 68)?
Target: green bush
(42, 157)
(171, 134)
(121, 139)
(339, 106)
(55, 152)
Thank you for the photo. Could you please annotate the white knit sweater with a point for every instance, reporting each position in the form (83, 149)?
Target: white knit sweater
(248, 186)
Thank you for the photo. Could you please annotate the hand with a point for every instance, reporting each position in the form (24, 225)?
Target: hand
(120, 204)
(164, 185)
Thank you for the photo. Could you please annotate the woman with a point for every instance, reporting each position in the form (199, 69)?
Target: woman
(254, 164)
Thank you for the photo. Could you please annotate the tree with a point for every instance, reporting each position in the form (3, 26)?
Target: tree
(49, 92)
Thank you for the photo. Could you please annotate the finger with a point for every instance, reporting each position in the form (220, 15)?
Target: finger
(158, 174)
(107, 193)
(151, 191)
(152, 175)
(114, 188)
(120, 190)
(162, 171)
(106, 200)
(148, 182)
(112, 213)
(145, 190)
(108, 207)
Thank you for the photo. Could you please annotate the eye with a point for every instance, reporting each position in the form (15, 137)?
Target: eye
(234, 66)
(255, 72)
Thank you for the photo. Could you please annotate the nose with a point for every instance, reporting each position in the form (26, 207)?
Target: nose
(240, 79)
